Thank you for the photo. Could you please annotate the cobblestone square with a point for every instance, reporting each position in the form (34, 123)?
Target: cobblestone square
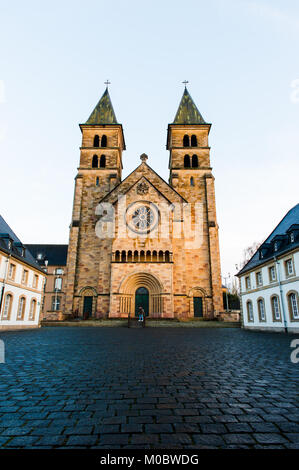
(82, 387)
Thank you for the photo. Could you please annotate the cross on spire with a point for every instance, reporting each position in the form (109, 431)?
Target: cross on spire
(107, 83)
(185, 83)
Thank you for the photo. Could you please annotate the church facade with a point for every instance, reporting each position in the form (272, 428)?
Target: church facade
(140, 241)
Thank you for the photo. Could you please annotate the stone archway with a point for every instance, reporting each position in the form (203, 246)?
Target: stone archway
(87, 303)
(197, 302)
(131, 284)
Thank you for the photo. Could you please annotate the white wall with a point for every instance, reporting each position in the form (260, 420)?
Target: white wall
(288, 283)
(18, 290)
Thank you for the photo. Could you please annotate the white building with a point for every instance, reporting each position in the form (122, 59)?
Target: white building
(21, 283)
(269, 282)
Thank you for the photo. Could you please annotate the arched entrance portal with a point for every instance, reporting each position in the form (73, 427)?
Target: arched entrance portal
(142, 300)
(141, 284)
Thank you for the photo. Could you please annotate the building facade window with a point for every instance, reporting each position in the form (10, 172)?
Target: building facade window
(95, 161)
(275, 308)
(250, 311)
(247, 282)
(194, 161)
(32, 310)
(35, 281)
(293, 306)
(103, 161)
(272, 274)
(259, 279)
(192, 181)
(21, 308)
(193, 141)
(187, 163)
(96, 141)
(261, 309)
(56, 303)
(59, 271)
(104, 141)
(25, 276)
(292, 237)
(186, 141)
(7, 307)
(289, 267)
(58, 283)
(11, 271)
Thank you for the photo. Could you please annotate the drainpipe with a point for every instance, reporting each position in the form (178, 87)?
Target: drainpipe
(3, 285)
(281, 295)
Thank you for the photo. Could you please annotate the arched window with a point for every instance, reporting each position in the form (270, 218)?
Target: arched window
(21, 308)
(32, 310)
(275, 308)
(148, 256)
(104, 141)
(7, 307)
(95, 161)
(142, 255)
(155, 256)
(193, 141)
(167, 257)
(102, 161)
(186, 141)
(194, 161)
(186, 161)
(250, 311)
(123, 256)
(192, 181)
(130, 256)
(293, 306)
(160, 256)
(261, 309)
(135, 255)
(96, 141)
(117, 256)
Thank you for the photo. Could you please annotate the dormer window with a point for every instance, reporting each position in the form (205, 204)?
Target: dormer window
(292, 237)
(39, 256)
(9, 244)
(275, 246)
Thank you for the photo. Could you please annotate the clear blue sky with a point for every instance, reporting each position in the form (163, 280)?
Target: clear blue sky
(240, 58)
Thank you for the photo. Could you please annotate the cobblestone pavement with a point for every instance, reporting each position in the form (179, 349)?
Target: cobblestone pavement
(148, 388)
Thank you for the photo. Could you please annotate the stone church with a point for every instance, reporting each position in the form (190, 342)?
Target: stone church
(141, 241)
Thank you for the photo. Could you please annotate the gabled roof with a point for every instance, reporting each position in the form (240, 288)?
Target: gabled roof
(187, 112)
(6, 233)
(143, 170)
(103, 113)
(291, 218)
(55, 254)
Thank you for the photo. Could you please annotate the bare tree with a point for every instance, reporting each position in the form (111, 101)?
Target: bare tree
(248, 253)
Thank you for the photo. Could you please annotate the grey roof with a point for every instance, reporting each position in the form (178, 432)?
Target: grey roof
(55, 254)
(103, 113)
(15, 250)
(291, 218)
(187, 112)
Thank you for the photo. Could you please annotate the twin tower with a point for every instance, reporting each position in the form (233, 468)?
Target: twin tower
(143, 242)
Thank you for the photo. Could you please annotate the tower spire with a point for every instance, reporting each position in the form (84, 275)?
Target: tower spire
(103, 113)
(187, 112)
